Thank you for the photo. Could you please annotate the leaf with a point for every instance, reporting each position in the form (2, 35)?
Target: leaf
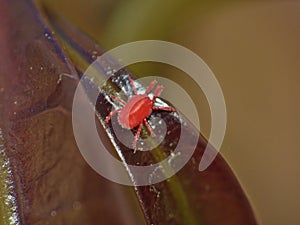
(44, 179)
(191, 197)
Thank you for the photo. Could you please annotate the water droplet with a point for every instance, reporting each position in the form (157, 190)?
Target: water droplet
(53, 213)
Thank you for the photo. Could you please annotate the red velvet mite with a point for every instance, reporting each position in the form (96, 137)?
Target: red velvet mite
(138, 108)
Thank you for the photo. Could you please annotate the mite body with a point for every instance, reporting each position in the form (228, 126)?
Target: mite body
(139, 107)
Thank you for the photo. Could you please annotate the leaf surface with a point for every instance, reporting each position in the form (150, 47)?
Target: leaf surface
(44, 179)
(48, 179)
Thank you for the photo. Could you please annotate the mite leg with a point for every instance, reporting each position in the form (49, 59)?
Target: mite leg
(157, 92)
(164, 108)
(149, 128)
(115, 98)
(132, 85)
(108, 118)
(150, 87)
(136, 137)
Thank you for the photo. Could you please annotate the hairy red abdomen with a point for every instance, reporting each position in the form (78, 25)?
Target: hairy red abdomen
(135, 111)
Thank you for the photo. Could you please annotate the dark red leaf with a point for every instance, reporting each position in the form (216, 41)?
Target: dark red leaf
(191, 197)
(44, 179)
(44, 171)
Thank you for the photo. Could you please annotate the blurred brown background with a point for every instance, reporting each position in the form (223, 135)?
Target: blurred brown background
(253, 49)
